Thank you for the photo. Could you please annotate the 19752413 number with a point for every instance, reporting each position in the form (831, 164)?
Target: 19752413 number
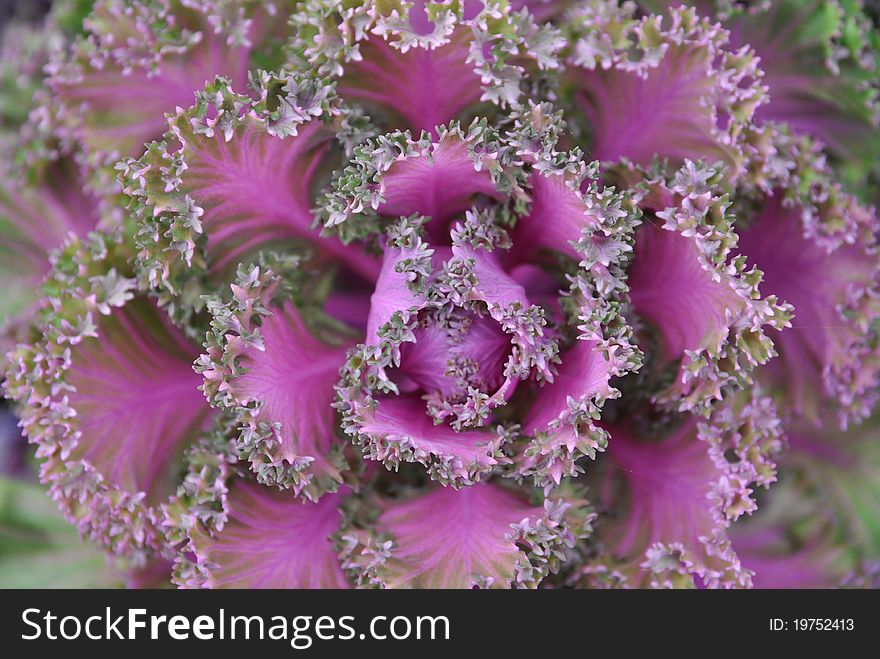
(823, 624)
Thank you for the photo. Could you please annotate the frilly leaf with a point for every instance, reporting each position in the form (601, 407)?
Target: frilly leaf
(108, 396)
(683, 492)
(266, 366)
(424, 64)
(652, 88)
(483, 536)
(234, 175)
(705, 304)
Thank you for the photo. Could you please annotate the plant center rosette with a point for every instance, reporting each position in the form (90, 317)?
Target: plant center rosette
(480, 357)
(451, 336)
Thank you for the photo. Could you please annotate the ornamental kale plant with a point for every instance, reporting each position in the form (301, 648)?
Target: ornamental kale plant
(451, 294)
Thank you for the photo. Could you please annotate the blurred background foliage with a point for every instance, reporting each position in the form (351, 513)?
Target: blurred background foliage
(39, 548)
